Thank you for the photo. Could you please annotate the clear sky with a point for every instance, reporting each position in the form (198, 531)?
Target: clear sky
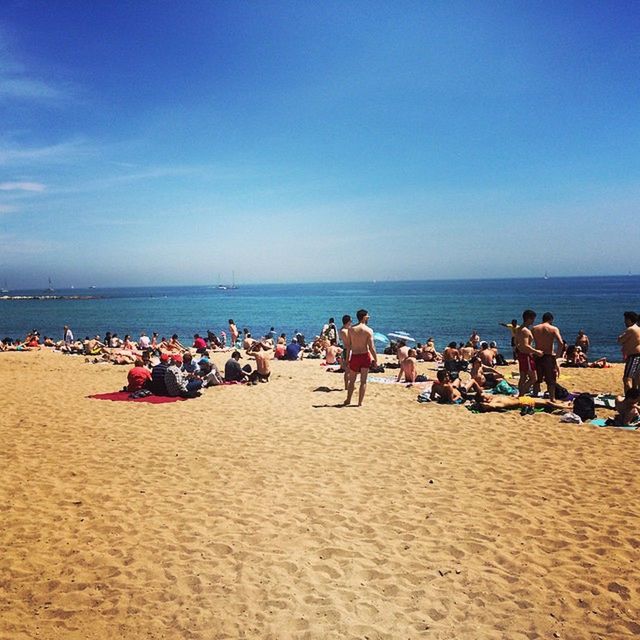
(169, 142)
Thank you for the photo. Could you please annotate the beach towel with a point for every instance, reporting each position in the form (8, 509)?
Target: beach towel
(123, 396)
(605, 400)
(601, 422)
(381, 380)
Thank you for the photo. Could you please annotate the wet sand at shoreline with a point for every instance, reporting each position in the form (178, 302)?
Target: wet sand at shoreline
(269, 512)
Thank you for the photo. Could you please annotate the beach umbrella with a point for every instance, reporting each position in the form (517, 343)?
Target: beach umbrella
(380, 337)
(401, 335)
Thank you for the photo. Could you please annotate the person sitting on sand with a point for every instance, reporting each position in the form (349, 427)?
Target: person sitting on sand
(248, 341)
(177, 383)
(233, 371)
(262, 355)
(409, 367)
(293, 351)
(174, 345)
(451, 353)
(429, 353)
(402, 352)
(280, 350)
(209, 373)
(525, 403)
(128, 344)
(582, 341)
(189, 367)
(445, 391)
(332, 352)
(486, 377)
(93, 347)
(467, 352)
(139, 377)
(487, 355)
(628, 409)
(158, 386)
(144, 342)
(199, 344)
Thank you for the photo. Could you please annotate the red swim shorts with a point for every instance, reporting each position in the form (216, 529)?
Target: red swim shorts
(526, 363)
(359, 361)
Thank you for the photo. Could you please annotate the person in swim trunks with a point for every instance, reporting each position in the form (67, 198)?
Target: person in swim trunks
(526, 352)
(544, 336)
(629, 340)
(362, 354)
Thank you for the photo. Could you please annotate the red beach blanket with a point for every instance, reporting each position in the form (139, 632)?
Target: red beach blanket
(123, 396)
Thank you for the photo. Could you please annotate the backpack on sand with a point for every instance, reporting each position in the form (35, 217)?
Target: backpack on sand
(584, 407)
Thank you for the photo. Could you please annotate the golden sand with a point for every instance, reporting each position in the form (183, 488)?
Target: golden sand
(268, 512)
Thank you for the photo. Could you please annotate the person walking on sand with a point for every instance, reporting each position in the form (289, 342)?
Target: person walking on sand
(526, 352)
(544, 336)
(629, 341)
(362, 354)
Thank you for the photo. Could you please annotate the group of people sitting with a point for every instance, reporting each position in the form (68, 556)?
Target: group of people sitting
(185, 375)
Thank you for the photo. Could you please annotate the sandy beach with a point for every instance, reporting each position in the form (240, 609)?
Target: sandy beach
(269, 512)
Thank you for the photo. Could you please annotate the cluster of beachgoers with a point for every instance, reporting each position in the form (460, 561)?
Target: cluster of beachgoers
(466, 372)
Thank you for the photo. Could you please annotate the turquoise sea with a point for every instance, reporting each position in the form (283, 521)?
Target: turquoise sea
(445, 309)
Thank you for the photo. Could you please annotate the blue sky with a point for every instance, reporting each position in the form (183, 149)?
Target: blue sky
(165, 143)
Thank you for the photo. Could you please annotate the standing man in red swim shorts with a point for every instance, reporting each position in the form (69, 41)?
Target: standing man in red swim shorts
(362, 355)
(526, 352)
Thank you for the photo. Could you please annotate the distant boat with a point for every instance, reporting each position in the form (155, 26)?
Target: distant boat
(546, 275)
(93, 286)
(50, 288)
(4, 289)
(233, 280)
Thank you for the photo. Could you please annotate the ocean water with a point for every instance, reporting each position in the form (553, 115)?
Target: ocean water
(446, 309)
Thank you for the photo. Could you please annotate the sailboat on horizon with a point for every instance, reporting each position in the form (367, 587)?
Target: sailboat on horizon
(50, 288)
(5, 288)
(546, 275)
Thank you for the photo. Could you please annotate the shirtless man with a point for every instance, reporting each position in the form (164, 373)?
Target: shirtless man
(526, 352)
(262, 354)
(447, 392)
(487, 355)
(501, 403)
(409, 367)
(629, 340)
(362, 354)
(467, 352)
(344, 339)
(444, 391)
(544, 336)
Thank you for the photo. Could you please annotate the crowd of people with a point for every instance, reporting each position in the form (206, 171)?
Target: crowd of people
(466, 370)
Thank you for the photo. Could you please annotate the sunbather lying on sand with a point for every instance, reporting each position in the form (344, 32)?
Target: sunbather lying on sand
(504, 403)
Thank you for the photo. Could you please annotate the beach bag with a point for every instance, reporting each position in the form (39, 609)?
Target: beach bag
(561, 393)
(585, 407)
